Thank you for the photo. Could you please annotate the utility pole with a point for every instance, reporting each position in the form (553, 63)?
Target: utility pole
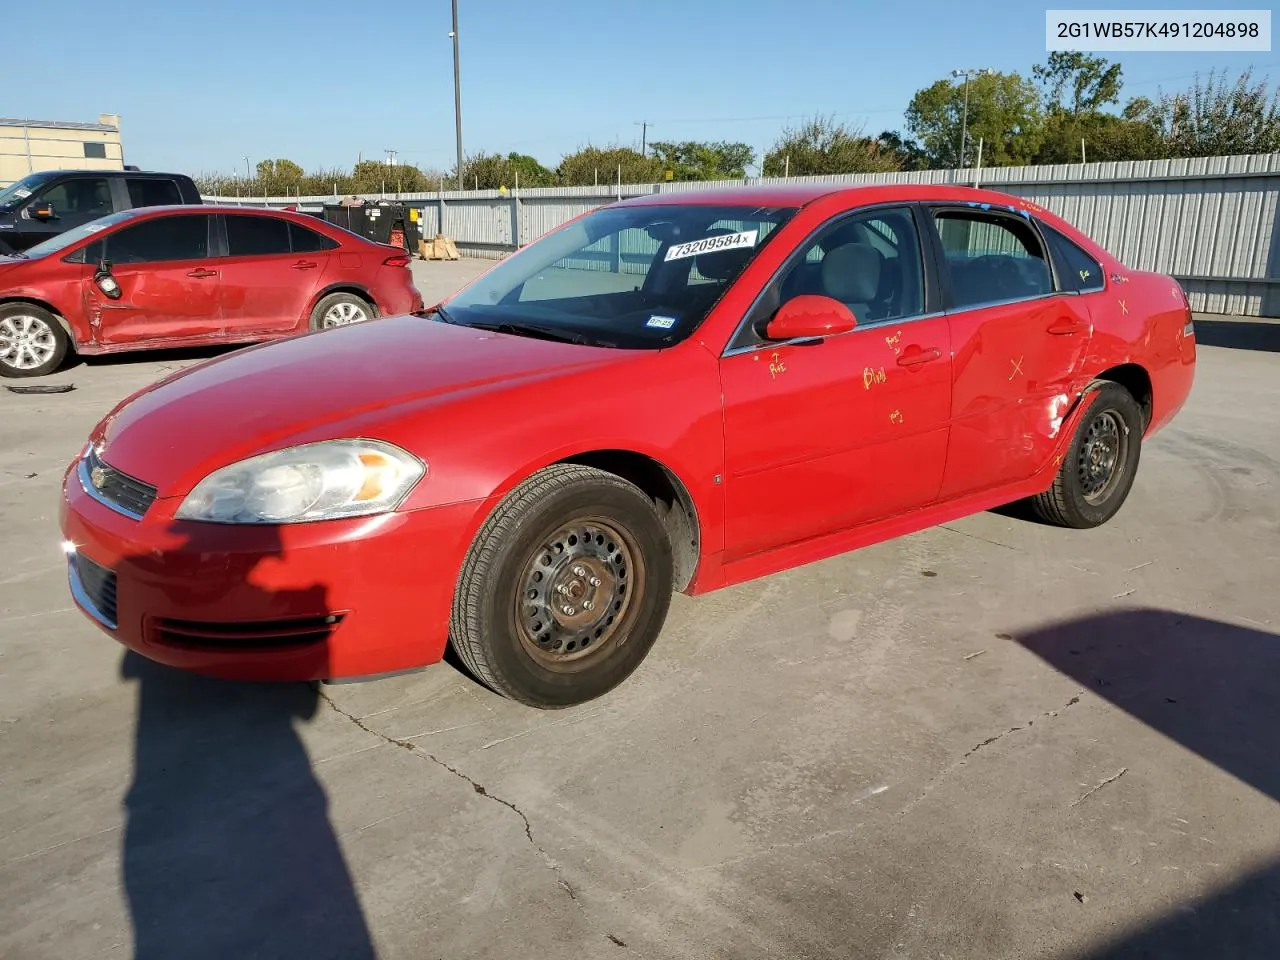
(391, 158)
(644, 135)
(457, 92)
(964, 123)
(247, 174)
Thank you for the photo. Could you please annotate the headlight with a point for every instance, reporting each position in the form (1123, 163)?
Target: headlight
(315, 481)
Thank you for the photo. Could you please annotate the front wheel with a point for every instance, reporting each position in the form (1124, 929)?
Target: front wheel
(32, 342)
(565, 589)
(1098, 469)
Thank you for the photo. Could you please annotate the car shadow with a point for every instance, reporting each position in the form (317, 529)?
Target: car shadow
(138, 357)
(1213, 688)
(228, 847)
(1239, 334)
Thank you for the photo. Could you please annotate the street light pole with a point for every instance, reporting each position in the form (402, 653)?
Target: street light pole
(247, 174)
(964, 122)
(457, 91)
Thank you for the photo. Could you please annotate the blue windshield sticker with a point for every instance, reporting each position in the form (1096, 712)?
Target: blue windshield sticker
(661, 323)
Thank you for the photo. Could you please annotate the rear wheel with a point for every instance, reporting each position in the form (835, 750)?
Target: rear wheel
(565, 589)
(1099, 467)
(340, 310)
(32, 342)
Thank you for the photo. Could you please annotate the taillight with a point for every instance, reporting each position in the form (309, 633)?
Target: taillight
(400, 260)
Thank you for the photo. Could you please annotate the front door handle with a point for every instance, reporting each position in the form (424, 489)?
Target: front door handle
(202, 273)
(1065, 328)
(304, 265)
(913, 356)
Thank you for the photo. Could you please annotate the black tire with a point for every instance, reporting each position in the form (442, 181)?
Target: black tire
(25, 327)
(1085, 493)
(597, 536)
(333, 300)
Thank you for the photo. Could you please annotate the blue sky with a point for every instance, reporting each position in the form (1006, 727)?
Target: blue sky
(201, 84)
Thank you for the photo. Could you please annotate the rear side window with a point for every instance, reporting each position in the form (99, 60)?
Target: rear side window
(308, 241)
(256, 236)
(152, 193)
(1081, 272)
(183, 237)
(992, 259)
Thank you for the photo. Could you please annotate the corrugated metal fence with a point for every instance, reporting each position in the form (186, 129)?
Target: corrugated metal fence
(1209, 221)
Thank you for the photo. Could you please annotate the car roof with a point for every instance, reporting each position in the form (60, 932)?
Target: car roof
(798, 195)
(108, 173)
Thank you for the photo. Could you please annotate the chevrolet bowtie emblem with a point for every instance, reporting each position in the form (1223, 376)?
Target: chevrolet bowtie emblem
(97, 476)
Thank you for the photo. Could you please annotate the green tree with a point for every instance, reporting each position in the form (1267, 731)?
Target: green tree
(822, 146)
(1215, 118)
(1106, 137)
(704, 160)
(600, 164)
(908, 154)
(1004, 113)
(1076, 83)
(491, 171)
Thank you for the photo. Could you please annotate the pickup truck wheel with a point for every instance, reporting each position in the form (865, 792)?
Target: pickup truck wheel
(565, 589)
(341, 309)
(32, 342)
(1099, 467)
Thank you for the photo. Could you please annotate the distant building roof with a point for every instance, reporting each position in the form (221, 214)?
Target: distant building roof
(60, 125)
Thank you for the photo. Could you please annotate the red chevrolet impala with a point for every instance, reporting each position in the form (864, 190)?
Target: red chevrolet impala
(185, 276)
(677, 392)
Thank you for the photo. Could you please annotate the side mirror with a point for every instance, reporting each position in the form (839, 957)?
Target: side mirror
(42, 211)
(810, 316)
(105, 281)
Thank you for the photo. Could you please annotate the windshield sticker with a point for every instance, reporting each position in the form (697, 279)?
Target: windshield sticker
(93, 227)
(22, 192)
(662, 323)
(727, 241)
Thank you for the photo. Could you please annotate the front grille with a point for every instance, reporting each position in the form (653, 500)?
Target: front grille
(247, 634)
(97, 587)
(117, 490)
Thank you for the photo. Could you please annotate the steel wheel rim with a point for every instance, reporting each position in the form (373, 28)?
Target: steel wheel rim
(578, 594)
(341, 314)
(26, 342)
(1101, 463)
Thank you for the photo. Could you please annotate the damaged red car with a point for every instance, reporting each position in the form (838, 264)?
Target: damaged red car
(184, 276)
(673, 393)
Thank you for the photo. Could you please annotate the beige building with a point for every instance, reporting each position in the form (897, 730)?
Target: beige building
(27, 146)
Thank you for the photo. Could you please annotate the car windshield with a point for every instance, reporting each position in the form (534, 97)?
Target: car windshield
(13, 195)
(61, 241)
(633, 277)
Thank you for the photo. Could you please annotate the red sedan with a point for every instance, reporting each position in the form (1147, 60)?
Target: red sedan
(190, 276)
(676, 392)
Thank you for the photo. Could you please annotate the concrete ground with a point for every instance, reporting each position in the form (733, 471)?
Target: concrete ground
(991, 739)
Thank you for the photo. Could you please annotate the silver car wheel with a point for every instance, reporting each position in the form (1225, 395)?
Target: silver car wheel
(341, 314)
(26, 342)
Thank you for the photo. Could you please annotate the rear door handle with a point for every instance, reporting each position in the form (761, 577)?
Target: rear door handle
(304, 265)
(1065, 328)
(913, 356)
(202, 273)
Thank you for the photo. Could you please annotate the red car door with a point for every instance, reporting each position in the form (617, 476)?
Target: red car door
(270, 273)
(1019, 341)
(168, 282)
(824, 436)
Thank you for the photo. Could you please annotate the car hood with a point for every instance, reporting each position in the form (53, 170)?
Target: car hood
(222, 410)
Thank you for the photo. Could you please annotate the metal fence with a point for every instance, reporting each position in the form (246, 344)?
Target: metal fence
(1211, 222)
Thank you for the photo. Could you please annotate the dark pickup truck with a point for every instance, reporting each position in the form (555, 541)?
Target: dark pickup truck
(42, 205)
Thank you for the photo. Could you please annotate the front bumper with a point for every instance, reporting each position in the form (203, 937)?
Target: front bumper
(335, 599)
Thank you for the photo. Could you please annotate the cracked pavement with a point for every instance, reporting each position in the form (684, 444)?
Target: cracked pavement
(989, 740)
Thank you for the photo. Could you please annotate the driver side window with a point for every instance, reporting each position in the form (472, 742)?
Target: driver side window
(871, 262)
